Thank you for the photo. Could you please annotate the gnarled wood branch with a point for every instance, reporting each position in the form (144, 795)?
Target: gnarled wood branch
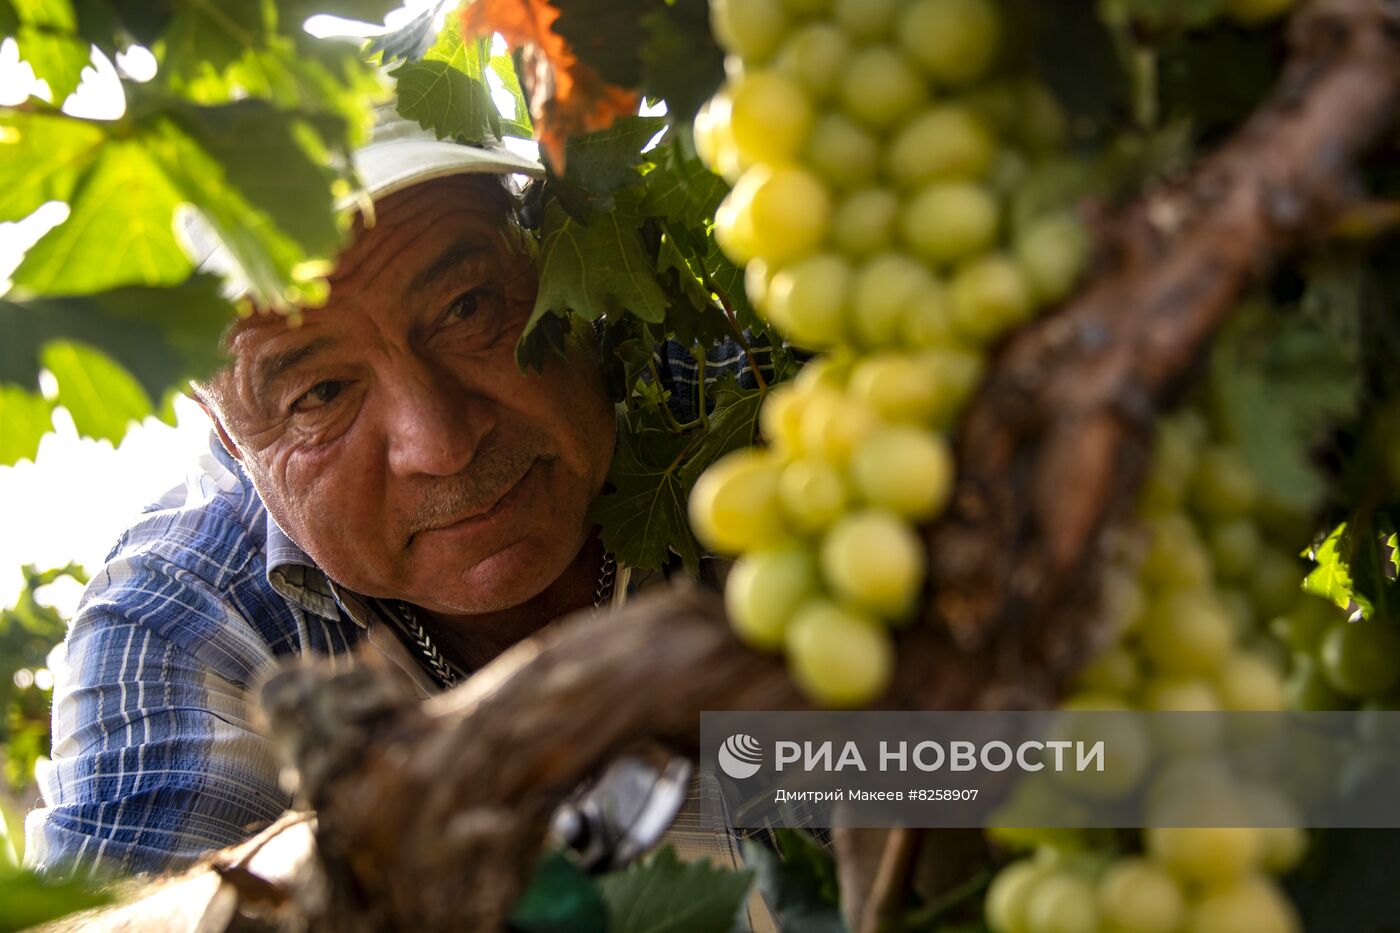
(430, 815)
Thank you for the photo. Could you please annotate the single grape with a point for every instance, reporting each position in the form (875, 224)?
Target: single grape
(953, 40)
(885, 288)
(788, 209)
(864, 222)
(928, 319)
(989, 296)
(1252, 904)
(765, 589)
(1187, 632)
(757, 275)
(1173, 461)
(880, 88)
(950, 220)
(1176, 558)
(1362, 658)
(944, 141)
(1248, 684)
(1062, 903)
(1301, 628)
(770, 116)
(1051, 252)
(780, 418)
(1115, 672)
(1010, 892)
(846, 156)
(873, 560)
(906, 470)
(1179, 695)
(833, 426)
(734, 226)
(897, 386)
(1276, 583)
(838, 657)
(815, 55)
(750, 29)
(714, 140)
(824, 373)
(1223, 485)
(1205, 854)
(865, 20)
(808, 300)
(1234, 547)
(959, 373)
(1041, 125)
(734, 505)
(813, 494)
(1139, 896)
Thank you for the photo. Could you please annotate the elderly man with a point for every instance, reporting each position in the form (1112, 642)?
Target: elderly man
(383, 475)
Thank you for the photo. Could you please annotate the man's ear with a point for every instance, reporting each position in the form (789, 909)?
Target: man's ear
(219, 428)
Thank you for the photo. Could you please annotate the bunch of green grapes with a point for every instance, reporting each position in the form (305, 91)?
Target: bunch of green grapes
(875, 151)
(1194, 611)
(1187, 881)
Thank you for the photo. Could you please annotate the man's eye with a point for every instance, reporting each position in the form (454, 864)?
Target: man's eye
(320, 394)
(464, 305)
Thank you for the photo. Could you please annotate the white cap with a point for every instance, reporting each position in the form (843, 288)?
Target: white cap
(399, 154)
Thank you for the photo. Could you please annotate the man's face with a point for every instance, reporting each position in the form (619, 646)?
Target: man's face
(391, 434)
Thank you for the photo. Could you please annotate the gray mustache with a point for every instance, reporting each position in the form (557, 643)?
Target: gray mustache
(486, 479)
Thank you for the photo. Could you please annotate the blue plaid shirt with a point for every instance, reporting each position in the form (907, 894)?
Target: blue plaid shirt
(156, 757)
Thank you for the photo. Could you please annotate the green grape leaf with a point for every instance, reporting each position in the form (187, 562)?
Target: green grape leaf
(599, 270)
(518, 123)
(162, 336)
(407, 43)
(264, 158)
(1331, 578)
(601, 164)
(119, 232)
(681, 63)
(451, 103)
(102, 397)
(26, 900)
(799, 898)
(1281, 380)
(733, 424)
(56, 57)
(643, 514)
(606, 34)
(43, 157)
(560, 898)
(729, 280)
(208, 37)
(694, 317)
(24, 418)
(663, 894)
(680, 188)
(246, 168)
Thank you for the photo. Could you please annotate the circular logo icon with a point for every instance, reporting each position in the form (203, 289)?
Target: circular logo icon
(740, 756)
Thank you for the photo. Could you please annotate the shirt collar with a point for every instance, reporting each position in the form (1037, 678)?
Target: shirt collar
(290, 572)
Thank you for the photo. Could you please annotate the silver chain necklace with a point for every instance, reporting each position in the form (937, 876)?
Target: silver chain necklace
(446, 674)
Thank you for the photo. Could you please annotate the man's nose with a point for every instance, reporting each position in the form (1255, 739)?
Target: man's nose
(434, 424)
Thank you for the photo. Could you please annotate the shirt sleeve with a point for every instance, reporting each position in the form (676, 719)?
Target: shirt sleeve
(156, 758)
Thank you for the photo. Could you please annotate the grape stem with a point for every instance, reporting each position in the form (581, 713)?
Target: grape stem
(732, 322)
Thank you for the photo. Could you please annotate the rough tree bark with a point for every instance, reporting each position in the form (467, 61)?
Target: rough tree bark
(430, 814)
